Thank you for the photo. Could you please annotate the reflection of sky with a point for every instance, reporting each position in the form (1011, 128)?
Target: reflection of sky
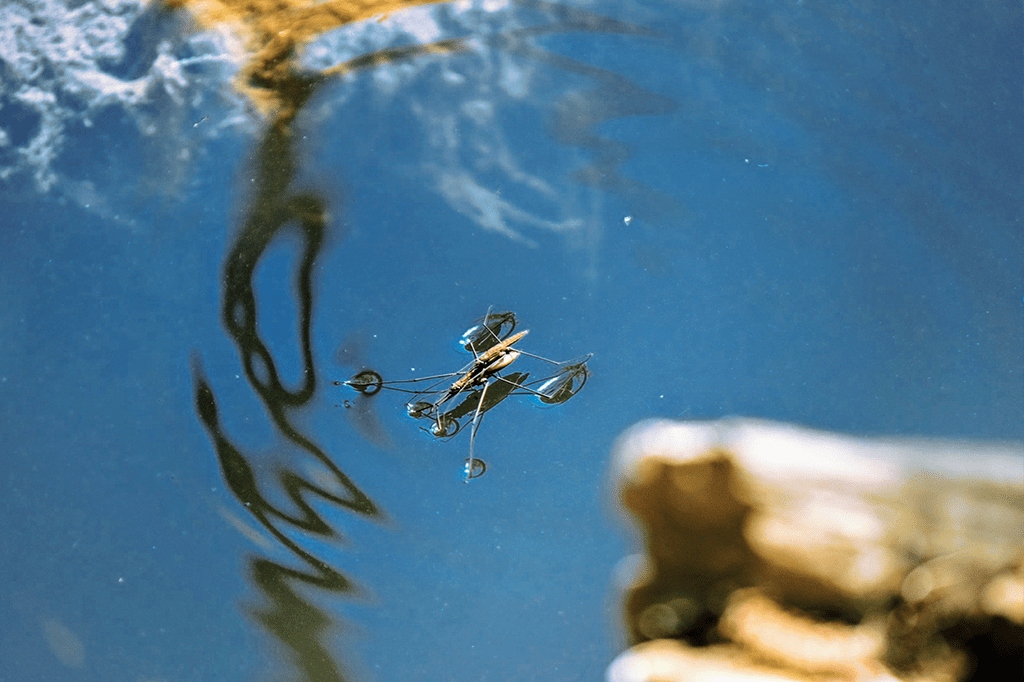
(825, 232)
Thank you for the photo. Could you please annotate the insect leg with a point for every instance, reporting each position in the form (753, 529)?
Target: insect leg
(471, 462)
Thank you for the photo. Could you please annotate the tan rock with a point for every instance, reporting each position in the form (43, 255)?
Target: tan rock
(781, 551)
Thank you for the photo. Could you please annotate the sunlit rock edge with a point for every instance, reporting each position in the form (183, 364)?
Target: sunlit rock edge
(776, 552)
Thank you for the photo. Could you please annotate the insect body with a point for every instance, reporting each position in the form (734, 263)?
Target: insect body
(486, 365)
(480, 385)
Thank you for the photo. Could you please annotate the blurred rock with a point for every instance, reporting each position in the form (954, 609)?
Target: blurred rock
(775, 552)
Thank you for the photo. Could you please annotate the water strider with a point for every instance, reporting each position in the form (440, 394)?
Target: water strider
(479, 386)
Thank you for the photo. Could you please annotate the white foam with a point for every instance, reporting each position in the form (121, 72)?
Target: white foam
(57, 76)
(62, 71)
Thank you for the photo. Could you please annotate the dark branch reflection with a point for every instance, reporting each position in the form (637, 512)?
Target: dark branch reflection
(276, 210)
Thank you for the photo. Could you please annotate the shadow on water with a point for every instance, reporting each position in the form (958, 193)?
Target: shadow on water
(296, 622)
(276, 211)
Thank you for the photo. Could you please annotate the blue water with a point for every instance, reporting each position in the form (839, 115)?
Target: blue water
(823, 227)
